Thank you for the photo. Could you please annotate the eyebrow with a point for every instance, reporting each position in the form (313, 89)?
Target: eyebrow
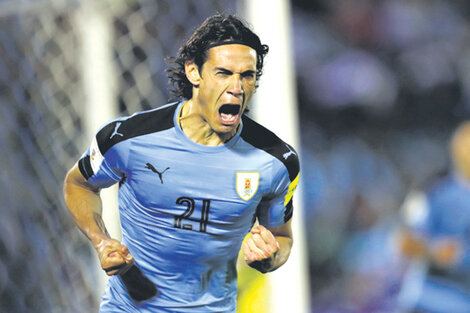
(231, 72)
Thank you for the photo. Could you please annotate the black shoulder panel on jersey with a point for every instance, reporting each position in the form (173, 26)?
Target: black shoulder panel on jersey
(85, 167)
(264, 139)
(289, 211)
(136, 125)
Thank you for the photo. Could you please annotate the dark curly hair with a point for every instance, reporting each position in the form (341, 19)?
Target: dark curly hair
(214, 30)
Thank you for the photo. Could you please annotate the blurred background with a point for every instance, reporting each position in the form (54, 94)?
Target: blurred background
(379, 85)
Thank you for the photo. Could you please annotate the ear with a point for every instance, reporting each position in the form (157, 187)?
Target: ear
(192, 73)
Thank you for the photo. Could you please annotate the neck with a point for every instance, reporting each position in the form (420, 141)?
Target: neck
(196, 127)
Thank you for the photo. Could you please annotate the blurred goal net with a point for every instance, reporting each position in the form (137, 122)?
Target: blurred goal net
(46, 264)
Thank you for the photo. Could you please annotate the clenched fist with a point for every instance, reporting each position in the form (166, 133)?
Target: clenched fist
(260, 249)
(114, 257)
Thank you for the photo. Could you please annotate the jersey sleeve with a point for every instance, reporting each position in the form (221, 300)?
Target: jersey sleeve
(276, 208)
(103, 163)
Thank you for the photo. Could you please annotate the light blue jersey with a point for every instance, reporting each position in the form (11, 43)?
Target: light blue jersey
(185, 208)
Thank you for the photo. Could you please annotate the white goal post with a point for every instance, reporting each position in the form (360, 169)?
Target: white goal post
(275, 106)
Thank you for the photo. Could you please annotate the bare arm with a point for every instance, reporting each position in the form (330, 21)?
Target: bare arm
(445, 252)
(268, 249)
(84, 203)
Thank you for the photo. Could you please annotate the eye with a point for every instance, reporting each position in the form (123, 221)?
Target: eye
(223, 73)
(248, 75)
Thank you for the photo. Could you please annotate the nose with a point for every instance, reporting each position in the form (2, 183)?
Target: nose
(235, 87)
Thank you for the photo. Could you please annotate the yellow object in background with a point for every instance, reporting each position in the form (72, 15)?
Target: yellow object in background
(253, 293)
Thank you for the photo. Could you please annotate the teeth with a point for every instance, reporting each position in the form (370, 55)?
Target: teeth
(228, 117)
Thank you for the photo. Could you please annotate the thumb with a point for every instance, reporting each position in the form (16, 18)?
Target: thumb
(257, 229)
(126, 255)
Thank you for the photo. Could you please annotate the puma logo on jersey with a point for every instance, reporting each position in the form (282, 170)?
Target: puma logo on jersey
(115, 132)
(153, 169)
(287, 154)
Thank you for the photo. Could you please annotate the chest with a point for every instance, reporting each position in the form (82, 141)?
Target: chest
(199, 190)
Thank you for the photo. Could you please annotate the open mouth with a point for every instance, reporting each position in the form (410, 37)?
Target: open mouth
(229, 113)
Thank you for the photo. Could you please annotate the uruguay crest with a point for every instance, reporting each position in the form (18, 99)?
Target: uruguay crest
(247, 184)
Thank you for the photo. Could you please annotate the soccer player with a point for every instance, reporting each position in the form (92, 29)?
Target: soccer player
(438, 235)
(196, 176)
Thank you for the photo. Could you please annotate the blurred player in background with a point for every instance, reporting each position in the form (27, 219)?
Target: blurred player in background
(195, 176)
(439, 236)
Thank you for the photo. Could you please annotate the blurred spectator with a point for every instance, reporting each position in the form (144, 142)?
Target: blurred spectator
(381, 84)
(436, 238)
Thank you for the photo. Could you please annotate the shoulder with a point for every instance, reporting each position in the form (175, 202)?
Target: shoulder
(138, 124)
(264, 139)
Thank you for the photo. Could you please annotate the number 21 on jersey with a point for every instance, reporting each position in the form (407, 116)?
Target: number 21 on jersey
(190, 205)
